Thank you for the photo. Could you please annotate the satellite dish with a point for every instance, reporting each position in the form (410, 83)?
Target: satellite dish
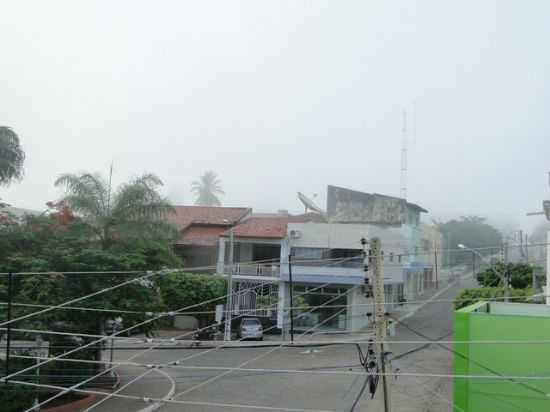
(309, 205)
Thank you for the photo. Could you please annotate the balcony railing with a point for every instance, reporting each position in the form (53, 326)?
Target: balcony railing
(269, 270)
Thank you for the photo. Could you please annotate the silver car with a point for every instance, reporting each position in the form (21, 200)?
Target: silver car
(251, 328)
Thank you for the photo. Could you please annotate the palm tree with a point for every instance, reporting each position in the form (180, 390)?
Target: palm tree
(12, 156)
(135, 210)
(207, 188)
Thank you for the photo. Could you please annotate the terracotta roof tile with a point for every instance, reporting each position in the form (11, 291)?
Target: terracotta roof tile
(200, 235)
(184, 216)
(267, 227)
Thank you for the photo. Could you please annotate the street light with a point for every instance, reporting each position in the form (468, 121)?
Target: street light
(502, 277)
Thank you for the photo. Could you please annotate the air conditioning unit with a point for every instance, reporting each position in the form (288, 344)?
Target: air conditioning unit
(295, 234)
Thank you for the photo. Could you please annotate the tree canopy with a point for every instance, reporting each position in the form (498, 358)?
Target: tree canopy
(136, 210)
(12, 156)
(520, 275)
(207, 189)
(472, 231)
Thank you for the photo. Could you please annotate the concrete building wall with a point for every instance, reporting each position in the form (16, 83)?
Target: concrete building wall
(344, 205)
(344, 235)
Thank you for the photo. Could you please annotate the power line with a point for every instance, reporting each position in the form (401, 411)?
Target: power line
(88, 345)
(171, 401)
(208, 381)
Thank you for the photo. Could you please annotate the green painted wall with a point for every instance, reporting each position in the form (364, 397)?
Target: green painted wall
(488, 395)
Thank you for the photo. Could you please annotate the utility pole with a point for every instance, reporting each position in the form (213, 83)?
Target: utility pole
(8, 343)
(504, 258)
(526, 248)
(380, 312)
(473, 264)
(291, 285)
(229, 301)
(436, 268)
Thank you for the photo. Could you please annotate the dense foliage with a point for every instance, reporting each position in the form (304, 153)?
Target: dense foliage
(470, 296)
(15, 398)
(472, 231)
(186, 289)
(134, 213)
(520, 275)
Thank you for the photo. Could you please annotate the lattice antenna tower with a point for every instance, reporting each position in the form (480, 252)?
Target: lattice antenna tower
(404, 154)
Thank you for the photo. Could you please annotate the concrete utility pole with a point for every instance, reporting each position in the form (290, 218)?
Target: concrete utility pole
(380, 312)
(504, 258)
(229, 301)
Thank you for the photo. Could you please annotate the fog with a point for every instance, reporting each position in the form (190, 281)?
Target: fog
(279, 97)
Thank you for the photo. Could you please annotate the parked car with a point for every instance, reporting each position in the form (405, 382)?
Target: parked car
(251, 328)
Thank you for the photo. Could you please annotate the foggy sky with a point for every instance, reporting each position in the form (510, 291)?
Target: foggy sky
(279, 97)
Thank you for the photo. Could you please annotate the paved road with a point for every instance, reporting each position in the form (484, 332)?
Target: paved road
(304, 391)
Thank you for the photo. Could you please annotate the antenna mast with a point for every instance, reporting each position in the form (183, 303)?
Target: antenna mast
(403, 182)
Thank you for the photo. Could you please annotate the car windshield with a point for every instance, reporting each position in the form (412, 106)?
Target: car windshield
(251, 322)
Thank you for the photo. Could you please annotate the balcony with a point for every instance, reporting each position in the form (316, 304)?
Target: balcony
(260, 270)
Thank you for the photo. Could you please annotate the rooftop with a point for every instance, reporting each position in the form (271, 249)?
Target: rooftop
(185, 216)
(269, 226)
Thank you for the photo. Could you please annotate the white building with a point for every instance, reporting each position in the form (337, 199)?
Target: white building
(327, 268)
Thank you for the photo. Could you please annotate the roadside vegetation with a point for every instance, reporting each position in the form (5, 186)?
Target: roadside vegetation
(521, 282)
(120, 232)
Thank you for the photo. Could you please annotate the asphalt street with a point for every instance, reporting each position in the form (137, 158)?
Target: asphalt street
(310, 390)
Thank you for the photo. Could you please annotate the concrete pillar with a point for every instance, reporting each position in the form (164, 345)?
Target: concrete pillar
(221, 256)
(282, 305)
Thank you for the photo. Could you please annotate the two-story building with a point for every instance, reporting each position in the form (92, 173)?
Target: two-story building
(325, 250)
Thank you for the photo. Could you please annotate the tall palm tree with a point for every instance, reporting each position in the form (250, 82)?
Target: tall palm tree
(12, 156)
(207, 188)
(134, 210)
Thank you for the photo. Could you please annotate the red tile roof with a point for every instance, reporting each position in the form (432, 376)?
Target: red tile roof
(267, 226)
(185, 216)
(201, 235)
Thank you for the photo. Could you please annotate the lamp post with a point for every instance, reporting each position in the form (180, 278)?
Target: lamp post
(502, 277)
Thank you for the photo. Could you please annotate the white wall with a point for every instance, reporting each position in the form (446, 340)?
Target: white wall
(345, 236)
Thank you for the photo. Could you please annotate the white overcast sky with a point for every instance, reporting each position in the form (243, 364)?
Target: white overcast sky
(285, 96)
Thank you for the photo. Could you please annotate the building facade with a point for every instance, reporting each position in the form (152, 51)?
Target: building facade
(324, 253)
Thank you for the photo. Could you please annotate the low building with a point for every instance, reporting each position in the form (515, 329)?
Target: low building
(200, 228)
(488, 376)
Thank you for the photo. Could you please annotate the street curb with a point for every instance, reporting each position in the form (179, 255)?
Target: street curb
(435, 296)
(166, 397)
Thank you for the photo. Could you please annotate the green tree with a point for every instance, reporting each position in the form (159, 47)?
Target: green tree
(12, 156)
(135, 211)
(207, 189)
(472, 231)
(180, 289)
(520, 275)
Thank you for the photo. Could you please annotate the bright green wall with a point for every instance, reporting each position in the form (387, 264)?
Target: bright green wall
(488, 395)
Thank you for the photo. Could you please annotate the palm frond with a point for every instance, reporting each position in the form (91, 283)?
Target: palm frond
(12, 156)
(85, 193)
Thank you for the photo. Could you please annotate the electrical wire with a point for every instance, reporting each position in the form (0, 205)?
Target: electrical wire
(88, 345)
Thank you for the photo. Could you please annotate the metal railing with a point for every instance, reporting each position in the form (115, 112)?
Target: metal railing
(268, 270)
